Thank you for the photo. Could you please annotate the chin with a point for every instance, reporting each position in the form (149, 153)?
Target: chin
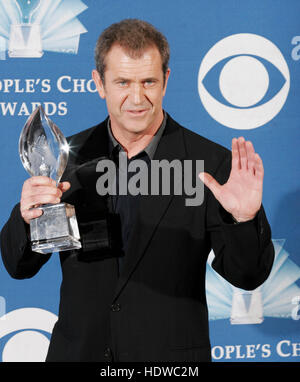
(136, 126)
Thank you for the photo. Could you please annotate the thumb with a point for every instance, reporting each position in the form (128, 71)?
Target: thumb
(64, 186)
(211, 183)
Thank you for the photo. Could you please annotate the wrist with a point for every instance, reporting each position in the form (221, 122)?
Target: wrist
(241, 219)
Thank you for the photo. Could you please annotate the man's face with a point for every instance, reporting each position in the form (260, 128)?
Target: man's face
(133, 90)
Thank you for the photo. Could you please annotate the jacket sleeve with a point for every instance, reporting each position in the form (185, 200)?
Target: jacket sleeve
(19, 261)
(244, 252)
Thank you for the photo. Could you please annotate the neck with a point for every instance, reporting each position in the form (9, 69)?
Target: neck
(132, 142)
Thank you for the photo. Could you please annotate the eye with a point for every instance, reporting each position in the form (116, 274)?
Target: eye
(238, 80)
(149, 83)
(122, 83)
(244, 81)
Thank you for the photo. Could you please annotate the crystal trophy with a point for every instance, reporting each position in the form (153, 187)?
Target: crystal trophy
(25, 36)
(247, 307)
(44, 151)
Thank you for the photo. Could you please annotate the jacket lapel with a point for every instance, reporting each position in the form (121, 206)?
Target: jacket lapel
(92, 146)
(151, 207)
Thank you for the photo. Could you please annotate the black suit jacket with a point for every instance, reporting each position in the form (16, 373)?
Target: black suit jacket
(155, 309)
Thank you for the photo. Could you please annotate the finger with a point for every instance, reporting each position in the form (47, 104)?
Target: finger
(40, 181)
(258, 167)
(42, 190)
(250, 156)
(27, 215)
(211, 183)
(235, 161)
(36, 200)
(64, 186)
(242, 153)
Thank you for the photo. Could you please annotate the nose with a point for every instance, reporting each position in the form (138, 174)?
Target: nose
(136, 94)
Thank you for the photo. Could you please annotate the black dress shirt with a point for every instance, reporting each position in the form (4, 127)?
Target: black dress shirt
(126, 206)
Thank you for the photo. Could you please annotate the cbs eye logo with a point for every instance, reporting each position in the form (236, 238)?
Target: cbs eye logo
(25, 333)
(244, 81)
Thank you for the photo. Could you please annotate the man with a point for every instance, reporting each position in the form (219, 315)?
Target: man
(140, 296)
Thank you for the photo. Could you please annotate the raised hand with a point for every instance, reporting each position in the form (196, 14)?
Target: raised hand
(241, 195)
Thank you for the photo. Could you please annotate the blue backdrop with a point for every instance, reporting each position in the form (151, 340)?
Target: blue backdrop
(235, 70)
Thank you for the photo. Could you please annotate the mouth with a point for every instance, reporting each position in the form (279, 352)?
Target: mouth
(137, 113)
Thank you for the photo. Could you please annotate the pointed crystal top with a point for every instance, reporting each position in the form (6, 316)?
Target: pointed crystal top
(27, 9)
(43, 148)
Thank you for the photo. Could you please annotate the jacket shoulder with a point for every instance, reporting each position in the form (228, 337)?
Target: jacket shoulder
(88, 144)
(216, 158)
(83, 135)
(200, 147)
(194, 142)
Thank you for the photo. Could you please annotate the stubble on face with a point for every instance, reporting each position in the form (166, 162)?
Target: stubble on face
(134, 89)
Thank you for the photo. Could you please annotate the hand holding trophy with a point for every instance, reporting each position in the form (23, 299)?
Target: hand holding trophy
(44, 151)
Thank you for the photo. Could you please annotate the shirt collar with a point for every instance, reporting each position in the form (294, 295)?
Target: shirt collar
(149, 149)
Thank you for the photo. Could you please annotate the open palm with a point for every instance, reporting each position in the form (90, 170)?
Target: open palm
(241, 195)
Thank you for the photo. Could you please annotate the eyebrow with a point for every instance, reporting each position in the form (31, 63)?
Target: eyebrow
(120, 79)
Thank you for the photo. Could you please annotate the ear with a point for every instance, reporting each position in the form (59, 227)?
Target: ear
(99, 84)
(166, 81)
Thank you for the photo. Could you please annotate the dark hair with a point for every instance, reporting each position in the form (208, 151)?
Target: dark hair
(134, 36)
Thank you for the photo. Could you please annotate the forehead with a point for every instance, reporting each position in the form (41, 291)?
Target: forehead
(119, 62)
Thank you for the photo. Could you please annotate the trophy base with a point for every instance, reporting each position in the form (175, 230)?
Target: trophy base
(247, 307)
(25, 54)
(25, 41)
(55, 230)
(246, 321)
(55, 245)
